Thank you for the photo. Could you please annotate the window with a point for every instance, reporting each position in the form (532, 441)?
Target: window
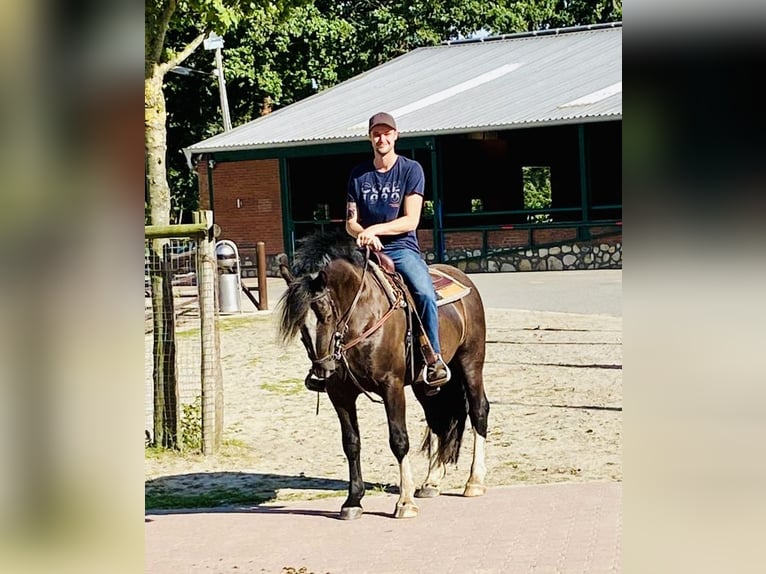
(537, 192)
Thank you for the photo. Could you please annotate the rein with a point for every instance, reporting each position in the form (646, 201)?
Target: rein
(339, 347)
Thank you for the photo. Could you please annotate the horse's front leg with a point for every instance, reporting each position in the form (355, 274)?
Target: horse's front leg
(345, 406)
(400, 446)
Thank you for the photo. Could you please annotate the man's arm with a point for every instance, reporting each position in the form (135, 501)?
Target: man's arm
(413, 203)
(407, 222)
(352, 225)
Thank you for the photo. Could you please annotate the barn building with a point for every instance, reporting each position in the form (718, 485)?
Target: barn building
(520, 138)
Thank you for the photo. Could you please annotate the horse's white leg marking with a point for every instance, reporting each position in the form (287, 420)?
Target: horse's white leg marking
(436, 472)
(475, 485)
(405, 506)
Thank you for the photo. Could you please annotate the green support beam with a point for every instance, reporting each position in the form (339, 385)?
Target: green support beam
(583, 232)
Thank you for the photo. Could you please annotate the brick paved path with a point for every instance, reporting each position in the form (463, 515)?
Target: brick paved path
(567, 528)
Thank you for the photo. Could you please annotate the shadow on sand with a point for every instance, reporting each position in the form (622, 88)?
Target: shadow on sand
(240, 492)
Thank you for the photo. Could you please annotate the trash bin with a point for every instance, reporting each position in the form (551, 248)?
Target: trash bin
(229, 282)
(228, 293)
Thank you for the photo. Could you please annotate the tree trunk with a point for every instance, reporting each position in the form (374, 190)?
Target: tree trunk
(164, 376)
(155, 117)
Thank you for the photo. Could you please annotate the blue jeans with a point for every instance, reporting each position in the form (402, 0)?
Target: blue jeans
(414, 271)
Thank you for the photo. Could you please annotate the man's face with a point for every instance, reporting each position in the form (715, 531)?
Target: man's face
(383, 138)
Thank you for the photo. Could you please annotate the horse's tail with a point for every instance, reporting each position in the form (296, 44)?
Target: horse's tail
(446, 414)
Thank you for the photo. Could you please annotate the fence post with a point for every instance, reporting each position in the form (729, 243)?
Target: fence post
(165, 375)
(212, 379)
(263, 287)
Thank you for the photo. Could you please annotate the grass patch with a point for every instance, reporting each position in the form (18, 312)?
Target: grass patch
(217, 497)
(285, 387)
(235, 322)
(230, 448)
(224, 324)
(193, 333)
(310, 495)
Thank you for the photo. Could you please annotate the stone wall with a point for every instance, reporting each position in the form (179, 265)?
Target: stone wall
(579, 255)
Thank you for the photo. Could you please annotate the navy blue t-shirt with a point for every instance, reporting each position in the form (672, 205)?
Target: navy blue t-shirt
(379, 196)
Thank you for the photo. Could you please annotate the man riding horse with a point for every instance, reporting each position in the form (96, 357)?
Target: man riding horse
(383, 205)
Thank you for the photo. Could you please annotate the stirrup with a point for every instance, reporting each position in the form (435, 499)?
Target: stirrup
(435, 384)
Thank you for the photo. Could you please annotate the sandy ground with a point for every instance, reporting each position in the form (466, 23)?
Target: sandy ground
(554, 381)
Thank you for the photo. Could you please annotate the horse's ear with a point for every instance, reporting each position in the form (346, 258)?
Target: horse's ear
(284, 269)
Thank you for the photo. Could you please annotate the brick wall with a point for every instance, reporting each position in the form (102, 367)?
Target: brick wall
(545, 236)
(258, 215)
(498, 239)
(507, 238)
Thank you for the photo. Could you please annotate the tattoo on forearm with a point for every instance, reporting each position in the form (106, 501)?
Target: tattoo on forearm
(351, 213)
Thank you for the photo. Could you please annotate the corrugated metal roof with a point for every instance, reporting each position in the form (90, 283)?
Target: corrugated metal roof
(570, 76)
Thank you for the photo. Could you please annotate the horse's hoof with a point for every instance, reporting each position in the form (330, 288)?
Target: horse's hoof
(474, 490)
(351, 512)
(407, 510)
(427, 491)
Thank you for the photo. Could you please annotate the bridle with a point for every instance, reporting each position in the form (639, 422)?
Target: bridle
(339, 345)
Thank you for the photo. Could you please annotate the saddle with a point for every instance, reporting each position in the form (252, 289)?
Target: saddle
(448, 290)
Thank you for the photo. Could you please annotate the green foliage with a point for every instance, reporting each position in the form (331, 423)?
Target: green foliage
(191, 425)
(537, 192)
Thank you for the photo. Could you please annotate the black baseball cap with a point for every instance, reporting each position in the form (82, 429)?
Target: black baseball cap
(381, 118)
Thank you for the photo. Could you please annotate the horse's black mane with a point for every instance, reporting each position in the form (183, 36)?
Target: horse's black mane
(315, 251)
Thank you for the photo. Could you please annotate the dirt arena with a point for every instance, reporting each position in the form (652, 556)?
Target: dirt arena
(554, 381)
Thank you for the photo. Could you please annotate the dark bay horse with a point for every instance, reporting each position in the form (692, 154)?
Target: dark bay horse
(356, 338)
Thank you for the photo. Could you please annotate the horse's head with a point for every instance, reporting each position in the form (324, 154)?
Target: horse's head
(318, 306)
(324, 347)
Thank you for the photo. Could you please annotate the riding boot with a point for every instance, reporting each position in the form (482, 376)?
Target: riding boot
(436, 373)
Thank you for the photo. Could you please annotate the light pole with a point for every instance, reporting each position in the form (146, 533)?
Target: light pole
(215, 42)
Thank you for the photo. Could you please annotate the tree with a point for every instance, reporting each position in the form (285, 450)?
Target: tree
(186, 23)
(173, 30)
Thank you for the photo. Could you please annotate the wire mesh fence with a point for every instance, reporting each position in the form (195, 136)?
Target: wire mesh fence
(183, 380)
(184, 335)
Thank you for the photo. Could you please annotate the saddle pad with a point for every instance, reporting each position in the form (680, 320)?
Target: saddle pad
(448, 289)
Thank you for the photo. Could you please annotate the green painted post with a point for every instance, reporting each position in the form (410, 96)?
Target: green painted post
(210, 164)
(437, 219)
(583, 231)
(288, 227)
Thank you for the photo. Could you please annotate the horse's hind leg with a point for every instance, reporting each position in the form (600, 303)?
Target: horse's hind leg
(478, 411)
(475, 485)
(400, 446)
(345, 406)
(436, 471)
